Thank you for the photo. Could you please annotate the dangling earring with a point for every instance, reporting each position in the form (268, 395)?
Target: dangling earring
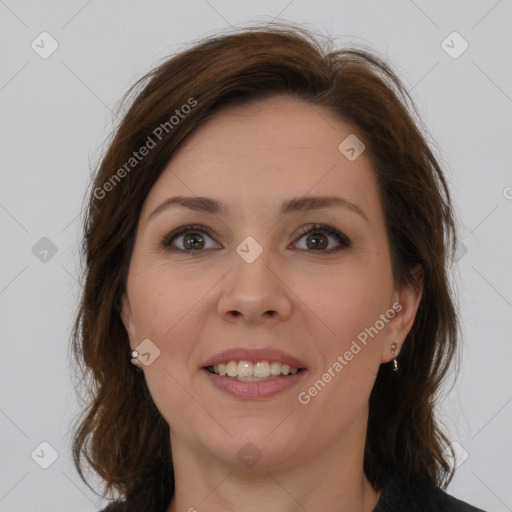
(133, 356)
(394, 347)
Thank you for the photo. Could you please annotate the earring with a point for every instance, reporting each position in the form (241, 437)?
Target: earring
(134, 354)
(394, 347)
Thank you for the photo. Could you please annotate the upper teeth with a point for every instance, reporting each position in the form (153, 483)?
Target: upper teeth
(258, 369)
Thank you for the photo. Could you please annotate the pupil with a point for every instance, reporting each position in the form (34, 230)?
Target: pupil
(191, 242)
(319, 241)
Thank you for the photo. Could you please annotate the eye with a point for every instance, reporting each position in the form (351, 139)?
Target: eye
(318, 235)
(189, 239)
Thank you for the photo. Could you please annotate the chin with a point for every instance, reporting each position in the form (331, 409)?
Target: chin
(257, 447)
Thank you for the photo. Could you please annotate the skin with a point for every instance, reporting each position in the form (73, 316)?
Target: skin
(309, 303)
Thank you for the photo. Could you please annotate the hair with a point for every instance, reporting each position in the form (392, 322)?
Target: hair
(121, 434)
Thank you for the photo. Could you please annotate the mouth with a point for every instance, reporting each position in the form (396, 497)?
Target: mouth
(247, 371)
(253, 373)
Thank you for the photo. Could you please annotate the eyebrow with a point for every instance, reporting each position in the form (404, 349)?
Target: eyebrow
(292, 205)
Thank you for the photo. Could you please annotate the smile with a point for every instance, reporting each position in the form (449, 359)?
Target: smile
(250, 372)
(253, 373)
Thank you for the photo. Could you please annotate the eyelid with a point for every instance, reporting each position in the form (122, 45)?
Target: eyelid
(168, 238)
(343, 240)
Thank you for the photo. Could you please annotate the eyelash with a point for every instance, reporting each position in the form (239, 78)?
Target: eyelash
(307, 229)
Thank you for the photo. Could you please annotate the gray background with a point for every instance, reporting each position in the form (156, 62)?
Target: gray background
(56, 114)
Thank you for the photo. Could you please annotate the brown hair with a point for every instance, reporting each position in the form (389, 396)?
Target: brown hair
(122, 435)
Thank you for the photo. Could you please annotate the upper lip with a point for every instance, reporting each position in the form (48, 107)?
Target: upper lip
(254, 355)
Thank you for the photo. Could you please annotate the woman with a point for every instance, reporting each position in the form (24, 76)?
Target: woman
(267, 243)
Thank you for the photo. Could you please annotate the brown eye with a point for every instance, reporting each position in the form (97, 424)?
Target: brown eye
(189, 239)
(193, 241)
(318, 237)
(196, 238)
(317, 241)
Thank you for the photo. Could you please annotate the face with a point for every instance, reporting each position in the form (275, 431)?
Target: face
(270, 279)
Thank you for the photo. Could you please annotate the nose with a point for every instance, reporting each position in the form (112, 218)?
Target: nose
(255, 293)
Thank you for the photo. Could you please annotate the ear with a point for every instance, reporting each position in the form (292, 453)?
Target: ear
(127, 319)
(405, 304)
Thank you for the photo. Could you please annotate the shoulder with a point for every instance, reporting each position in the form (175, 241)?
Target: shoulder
(405, 495)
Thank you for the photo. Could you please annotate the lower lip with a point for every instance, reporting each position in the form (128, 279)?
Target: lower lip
(254, 390)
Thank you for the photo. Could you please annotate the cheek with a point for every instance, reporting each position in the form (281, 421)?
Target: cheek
(169, 309)
(350, 355)
(349, 300)
(158, 299)
(350, 303)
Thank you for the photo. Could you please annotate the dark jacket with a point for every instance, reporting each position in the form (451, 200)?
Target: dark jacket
(397, 495)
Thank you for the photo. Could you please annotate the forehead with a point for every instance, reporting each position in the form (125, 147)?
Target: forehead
(266, 149)
(280, 123)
